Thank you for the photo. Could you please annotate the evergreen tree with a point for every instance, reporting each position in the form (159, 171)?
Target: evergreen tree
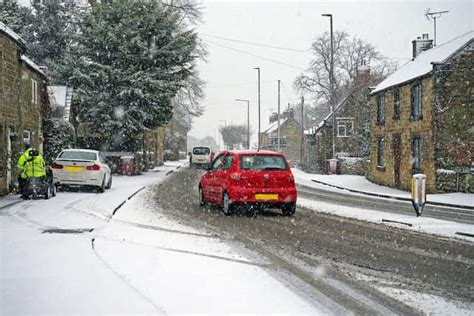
(130, 61)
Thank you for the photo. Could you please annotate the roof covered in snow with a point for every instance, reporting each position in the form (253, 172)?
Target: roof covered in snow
(273, 127)
(14, 36)
(422, 64)
(315, 128)
(30, 63)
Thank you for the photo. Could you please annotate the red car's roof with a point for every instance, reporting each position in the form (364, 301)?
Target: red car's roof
(253, 152)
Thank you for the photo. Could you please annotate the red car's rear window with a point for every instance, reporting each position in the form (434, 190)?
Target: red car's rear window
(262, 162)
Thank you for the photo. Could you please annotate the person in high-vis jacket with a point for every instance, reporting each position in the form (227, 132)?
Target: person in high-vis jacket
(30, 164)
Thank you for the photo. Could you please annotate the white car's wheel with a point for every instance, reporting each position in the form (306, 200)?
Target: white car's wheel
(109, 184)
(101, 189)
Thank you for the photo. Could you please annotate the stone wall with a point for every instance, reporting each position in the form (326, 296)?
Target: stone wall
(352, 165)
(18, 113)
(407, 129)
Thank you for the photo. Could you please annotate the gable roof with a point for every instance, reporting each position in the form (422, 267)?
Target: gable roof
(273, 127)
(314, 129)
(12, 35)
(422, 64)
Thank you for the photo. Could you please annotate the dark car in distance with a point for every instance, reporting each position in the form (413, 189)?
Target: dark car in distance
(257, 179)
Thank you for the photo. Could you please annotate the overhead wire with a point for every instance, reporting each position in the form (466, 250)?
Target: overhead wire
(253, 55)
(258, 44)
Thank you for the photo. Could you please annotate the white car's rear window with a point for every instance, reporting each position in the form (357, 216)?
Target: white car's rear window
(79, 155)
(201, 151)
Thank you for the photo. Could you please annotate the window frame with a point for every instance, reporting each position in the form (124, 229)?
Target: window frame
(416, 104)
(380, 108)
(348, 124)
(380, 153)
(34, 91)
(396, 103)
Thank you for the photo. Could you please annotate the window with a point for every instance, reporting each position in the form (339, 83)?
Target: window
(217, 163)
(34, 91)
(227, 162)
(201, 151)
(78, 155)
(396, 104)
(26, 137)
(273, 140)
(380, 153)
(261, 162)
(416, 102)
(381, 108)
(416, 154)
(345, 127)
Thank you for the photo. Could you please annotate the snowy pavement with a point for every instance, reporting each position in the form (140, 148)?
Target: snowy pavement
(422, 224)
(72, 254)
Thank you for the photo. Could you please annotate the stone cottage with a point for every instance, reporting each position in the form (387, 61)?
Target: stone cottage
(23, 103)
(422, 119)
(290, 136)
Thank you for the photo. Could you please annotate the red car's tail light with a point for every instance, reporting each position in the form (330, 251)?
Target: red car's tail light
(291, 179)
(94, 167)
(55, 165)
(235, 176)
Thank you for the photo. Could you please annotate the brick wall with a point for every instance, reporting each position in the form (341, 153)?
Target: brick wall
(407, 129)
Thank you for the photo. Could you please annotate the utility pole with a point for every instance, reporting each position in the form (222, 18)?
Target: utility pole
(434, 16)
(302, 129)
(258, 135)
(278, 134)
(331, 88)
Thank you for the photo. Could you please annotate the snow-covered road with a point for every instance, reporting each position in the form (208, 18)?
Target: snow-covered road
(68, 255)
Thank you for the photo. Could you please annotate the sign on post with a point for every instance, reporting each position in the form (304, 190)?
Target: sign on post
(418, 192)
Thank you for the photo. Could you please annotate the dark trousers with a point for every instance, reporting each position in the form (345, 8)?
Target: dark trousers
(22, 183)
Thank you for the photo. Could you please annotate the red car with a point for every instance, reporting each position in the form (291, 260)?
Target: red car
(262, 179)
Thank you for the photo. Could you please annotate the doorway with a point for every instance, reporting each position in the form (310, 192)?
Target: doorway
(397, 154)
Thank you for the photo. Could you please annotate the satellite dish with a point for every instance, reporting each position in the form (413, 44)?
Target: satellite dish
(427, 14)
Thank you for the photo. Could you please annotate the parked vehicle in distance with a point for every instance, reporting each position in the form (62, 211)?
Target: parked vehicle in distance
(259, 179)
(200, 155)
(82, 167)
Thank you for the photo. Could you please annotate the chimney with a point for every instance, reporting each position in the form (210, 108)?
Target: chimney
(273, 117)
(362, 72)
(420, 45)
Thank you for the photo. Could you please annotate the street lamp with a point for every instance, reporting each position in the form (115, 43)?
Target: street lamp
(258, 135)
(331, 87)
(248, 120)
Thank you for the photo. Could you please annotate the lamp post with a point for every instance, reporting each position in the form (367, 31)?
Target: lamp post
(248, 120)
(331, 87)
(258, 135)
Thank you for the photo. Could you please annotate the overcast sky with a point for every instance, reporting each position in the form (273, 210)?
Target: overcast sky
(229, 73)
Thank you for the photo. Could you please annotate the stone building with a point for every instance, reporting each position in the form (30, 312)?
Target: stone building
(422, 119)
(23, 103)
(290, 136)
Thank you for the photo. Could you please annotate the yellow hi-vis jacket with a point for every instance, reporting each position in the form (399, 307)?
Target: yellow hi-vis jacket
(31, 166)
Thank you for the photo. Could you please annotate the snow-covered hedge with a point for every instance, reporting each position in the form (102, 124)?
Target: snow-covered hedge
(449, 180)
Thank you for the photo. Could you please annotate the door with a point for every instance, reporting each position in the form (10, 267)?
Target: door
(396, 148)
(9, 159)
(209, 184)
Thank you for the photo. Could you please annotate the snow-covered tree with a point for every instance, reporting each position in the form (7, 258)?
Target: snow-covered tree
(16, 17)
(233, 135)
(131, 60)
(58, 135)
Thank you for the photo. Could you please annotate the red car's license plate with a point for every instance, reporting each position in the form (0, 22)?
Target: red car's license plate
(266, 196)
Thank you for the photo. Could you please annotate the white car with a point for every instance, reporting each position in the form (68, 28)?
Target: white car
(201, 155)
(82, 167)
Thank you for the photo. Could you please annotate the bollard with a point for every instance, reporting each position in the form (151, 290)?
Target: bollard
(418, 192)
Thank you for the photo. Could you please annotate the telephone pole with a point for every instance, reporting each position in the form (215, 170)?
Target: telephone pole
(302, 129)
(258, 135)
(278, 135)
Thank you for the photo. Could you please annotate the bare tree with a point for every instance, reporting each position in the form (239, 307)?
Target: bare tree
(233, 135)
(349, 54)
